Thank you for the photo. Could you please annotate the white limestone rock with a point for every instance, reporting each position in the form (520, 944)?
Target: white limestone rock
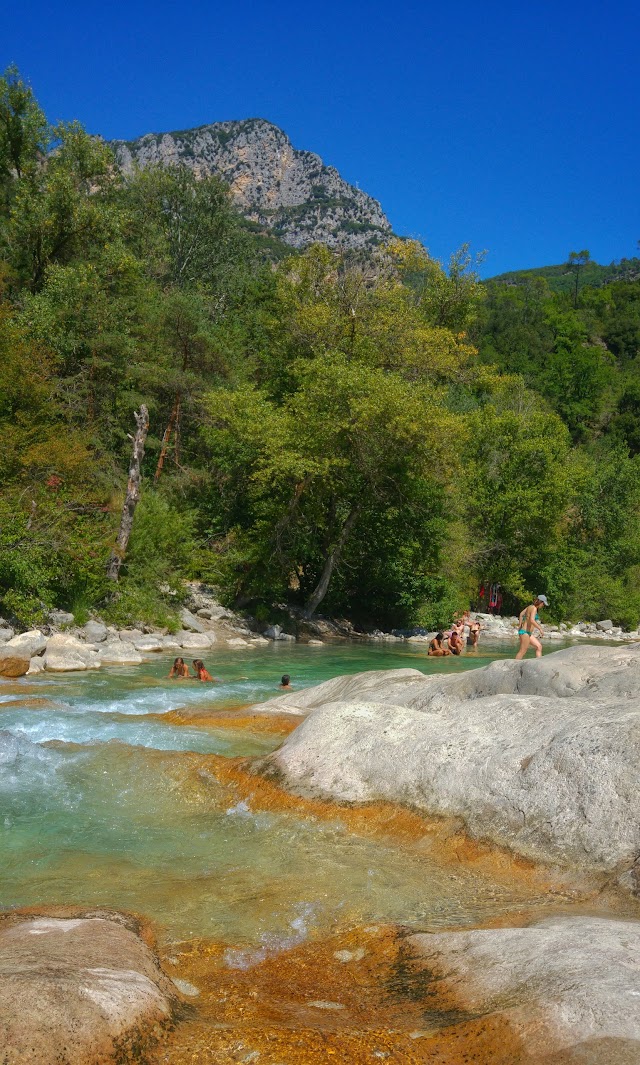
(30, 643)
(119, 653)
(568, 984)
(95, 632)
(196, 641)
(78, 991)
(539, 756)
(65, 653)
(191, 622)
(149, 644)
(13, 662)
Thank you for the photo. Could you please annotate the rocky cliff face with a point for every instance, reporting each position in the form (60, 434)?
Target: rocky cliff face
(290, 193)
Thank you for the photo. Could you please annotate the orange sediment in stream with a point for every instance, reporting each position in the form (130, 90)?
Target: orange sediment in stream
(351, 999)
(439, 838)
(237, 719)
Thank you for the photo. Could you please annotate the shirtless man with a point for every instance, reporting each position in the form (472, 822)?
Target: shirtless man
(455, 642)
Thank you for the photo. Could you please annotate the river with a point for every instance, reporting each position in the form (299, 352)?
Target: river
(122, 789)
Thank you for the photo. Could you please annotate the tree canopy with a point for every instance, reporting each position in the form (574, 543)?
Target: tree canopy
(371, 437)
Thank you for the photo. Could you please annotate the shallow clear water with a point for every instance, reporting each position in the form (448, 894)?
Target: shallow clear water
(104, 803)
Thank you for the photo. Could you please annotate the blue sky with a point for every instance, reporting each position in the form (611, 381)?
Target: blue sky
(513, 127)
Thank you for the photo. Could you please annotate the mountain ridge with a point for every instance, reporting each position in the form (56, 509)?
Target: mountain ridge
(288, 191)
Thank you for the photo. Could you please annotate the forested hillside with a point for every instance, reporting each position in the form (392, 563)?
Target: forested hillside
(562, 277)
(366, 438)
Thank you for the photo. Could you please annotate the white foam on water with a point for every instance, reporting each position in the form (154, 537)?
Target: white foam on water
(273, 943)
(73, 726)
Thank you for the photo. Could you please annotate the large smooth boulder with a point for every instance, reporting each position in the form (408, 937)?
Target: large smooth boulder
(66, 654)
(190, 622)
(149, 644)
(95, 632)
(78, 991)
(30, 643)
(548, 770)
(196, 641)
(13, 663)
(385, 683)
(6, 631)
(566, 986)
(119, 653)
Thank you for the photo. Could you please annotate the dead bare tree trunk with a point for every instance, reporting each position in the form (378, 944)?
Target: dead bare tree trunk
(133, 494)
(171, 425)
(333, 557)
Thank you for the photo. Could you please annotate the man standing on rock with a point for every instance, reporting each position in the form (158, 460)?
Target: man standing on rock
(529, 621)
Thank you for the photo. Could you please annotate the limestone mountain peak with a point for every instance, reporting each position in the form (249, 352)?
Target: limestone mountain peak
(287, 191)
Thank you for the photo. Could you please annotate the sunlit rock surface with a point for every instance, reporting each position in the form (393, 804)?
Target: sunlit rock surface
(77, 991)
(568, 984)
(538, 756)
(14, 662)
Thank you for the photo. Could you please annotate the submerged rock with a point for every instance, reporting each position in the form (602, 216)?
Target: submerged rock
(538, 756)
(568, 984)
(78, 991)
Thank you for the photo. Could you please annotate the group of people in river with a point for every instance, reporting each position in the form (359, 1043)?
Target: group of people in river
(180, 670)
(464, 629)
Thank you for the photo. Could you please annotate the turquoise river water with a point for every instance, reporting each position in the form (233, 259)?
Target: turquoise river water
(108, 798)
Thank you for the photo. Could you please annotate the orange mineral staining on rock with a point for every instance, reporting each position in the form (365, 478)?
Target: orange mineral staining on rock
(350, 999)
(441, 839)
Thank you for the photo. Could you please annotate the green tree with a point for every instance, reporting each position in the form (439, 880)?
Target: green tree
(577, 260)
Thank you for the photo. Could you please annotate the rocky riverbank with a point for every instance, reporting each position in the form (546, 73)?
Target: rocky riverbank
(537, 756)
(63, 646)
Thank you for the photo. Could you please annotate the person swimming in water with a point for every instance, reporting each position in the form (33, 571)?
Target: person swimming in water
(179, 669)
(201, 672)
(285, 682)
(530, 620)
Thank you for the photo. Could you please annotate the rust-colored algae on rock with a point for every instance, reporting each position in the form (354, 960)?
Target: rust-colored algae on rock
(240, 719)
(441, 839)
(351, 999)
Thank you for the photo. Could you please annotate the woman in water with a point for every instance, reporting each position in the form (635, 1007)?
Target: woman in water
(529, 621)
(179, 669)
(436, 650)
(474, 634)
(201, 672)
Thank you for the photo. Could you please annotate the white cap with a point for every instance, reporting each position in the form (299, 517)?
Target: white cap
(542, 599)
